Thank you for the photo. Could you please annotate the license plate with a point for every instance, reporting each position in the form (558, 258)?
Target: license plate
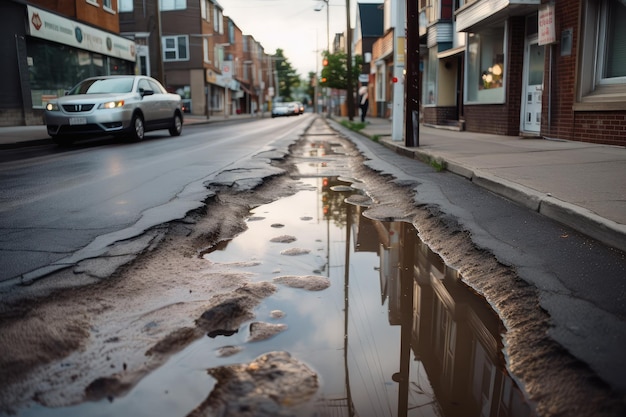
(78, 121)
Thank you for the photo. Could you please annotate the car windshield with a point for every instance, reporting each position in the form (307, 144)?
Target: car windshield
(103, 85)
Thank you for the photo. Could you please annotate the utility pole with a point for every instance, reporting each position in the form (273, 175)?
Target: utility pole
(350, 87)
(160, 69)
(412, 114)
(327, 25)
(399, 65)
(316, 79)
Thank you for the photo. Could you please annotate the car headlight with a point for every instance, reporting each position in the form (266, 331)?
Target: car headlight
(52, 107)
(111, 104)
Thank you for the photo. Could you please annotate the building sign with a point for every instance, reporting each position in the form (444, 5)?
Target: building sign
(547, 25)
(399, 51)
(211, 77)
(227, 69)
(58, 29)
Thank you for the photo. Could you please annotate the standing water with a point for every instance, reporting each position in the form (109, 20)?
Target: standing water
(397, 333)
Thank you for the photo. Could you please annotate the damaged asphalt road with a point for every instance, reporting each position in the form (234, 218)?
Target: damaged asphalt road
(119, 317)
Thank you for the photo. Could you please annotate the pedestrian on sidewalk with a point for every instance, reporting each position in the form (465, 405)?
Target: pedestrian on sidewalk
(364, 102)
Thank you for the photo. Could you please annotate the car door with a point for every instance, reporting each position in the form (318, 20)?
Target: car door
(163, 106)
(148, 103)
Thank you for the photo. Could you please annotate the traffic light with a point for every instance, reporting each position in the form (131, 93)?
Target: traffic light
(323, 80)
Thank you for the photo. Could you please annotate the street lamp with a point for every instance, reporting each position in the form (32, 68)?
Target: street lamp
(246, 74)
(161, 66)
(349, 92)
(319, 8)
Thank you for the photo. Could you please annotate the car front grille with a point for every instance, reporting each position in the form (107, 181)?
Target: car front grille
(88, 128)
(76, 108)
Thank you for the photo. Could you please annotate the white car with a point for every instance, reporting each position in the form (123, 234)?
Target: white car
(280, 109)
(127, 105)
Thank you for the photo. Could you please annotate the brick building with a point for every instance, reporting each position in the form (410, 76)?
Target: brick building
(188, 45)
(203, 55)
(585, 72)
(529, 67)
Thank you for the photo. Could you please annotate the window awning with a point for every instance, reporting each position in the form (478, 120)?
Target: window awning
(246, 89)
(485, 13)
(451, 52)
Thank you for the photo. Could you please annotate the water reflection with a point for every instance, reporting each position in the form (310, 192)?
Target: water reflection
(446, 329)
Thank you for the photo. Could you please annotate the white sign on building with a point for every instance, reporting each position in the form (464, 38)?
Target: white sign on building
(59, 29)
(547, 24)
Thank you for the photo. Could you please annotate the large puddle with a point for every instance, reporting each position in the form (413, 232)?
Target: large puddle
(395, 334)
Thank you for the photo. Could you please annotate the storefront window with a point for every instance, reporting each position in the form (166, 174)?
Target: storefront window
(602, 73)
(429, 90)
(485, 66)
(55, 68)
(614, 64)
(380, 83)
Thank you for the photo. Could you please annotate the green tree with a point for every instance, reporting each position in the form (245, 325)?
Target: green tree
(335, 70)
(288, 78)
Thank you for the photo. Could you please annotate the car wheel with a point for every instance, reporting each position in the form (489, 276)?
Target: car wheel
(177, 125)
(137, 131)
(61, 140)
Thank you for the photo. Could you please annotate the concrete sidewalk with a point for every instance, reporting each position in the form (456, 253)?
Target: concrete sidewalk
(581, 185)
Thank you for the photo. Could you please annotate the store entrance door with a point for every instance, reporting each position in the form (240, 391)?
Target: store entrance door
(533, 86)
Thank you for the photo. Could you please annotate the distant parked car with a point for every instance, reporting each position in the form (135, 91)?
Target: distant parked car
(299, 107)
(127, 105)
(280, 109)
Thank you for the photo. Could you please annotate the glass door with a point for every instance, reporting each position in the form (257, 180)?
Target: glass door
(533, 86)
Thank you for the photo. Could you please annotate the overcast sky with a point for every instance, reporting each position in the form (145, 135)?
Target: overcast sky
(292, 25)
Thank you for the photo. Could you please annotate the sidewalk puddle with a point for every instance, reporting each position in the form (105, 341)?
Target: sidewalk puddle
(386, 326)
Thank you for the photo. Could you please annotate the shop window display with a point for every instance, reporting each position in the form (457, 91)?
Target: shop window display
(485, 66)
(54, 68)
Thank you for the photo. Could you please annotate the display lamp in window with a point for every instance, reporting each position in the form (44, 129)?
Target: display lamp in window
(492, 78)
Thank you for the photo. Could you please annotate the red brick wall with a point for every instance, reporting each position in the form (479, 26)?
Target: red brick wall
(98, 16)
(559, 118)
(600, 127)
(490, 118)
(559, 92)
(515, 71)
(440, 115)
(84, 12)
(64, 7)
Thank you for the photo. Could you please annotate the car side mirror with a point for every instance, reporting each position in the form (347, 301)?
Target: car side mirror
(145, 92)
